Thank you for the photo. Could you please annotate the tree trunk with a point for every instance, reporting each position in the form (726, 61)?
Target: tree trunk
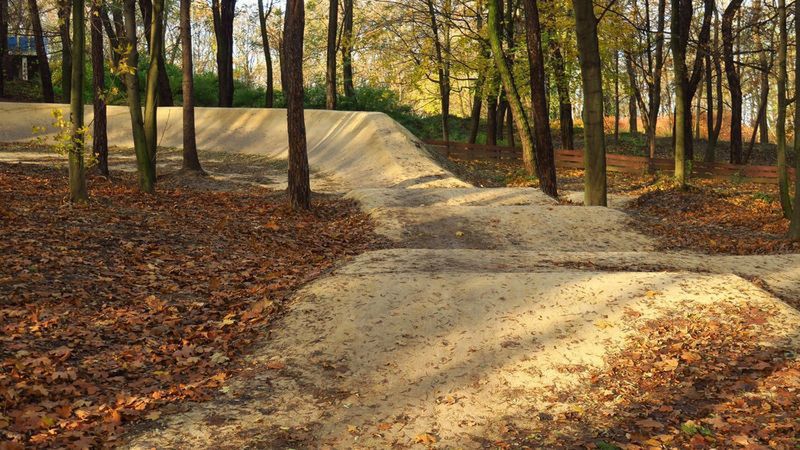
(99, 132)
(299, 185)
(680, 22)
(41, 53)
(63, 12)
(734, 85)
(491, 115)
(191, 161)
(709, 156)
(112, 33)
(794, 225)
(475, 113)
(151, 88)
(223, 13)
(545, 159)
(164, 90)
(347, 49)
(443, 71)
(764, 64)
(564, 102)
(654, 94)
(616, 96)
(330, 66)
(633, 119)
(594, 154)
(714, 136)
(3, 45)
(263, 17)
(512, 95)
(147, 173)
(780, 123)
(77, 171)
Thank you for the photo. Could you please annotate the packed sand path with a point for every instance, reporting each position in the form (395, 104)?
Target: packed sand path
(462, 329)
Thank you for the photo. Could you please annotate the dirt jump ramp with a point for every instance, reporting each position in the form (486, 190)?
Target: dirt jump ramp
(364, 149)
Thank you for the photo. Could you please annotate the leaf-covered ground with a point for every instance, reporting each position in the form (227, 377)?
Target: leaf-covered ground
(116, 311)
(712, 216)
(704, 379)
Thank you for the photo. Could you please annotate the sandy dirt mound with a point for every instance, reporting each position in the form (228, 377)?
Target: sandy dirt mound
(379, 360)
(360, 149)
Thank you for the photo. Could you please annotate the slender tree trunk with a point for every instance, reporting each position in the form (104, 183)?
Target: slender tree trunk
(151, 89)
(330, 66)
(794, 225)
(502, 106)
(77, 170)
(616, 96)
(764, 66)
(299, 187)
(443, 73)
(263, 17)
(655, 88)
(633, 119)
(147, 173)
(41, 53)
(734, 85)
(347, 49)
(191, 162)
(63, 12)
(491, 114)
(512, 95)
(99, 132)
(545, 159)
(680, 21)
(780, 124)
(709, 155)
(164, 89)
(698, 112)
(564, 102)
(594, 154)
(475, 113)
(223, 13)
(112, 33)
(714, 136)
(3, 45)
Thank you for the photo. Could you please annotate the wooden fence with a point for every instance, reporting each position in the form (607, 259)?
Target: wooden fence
(614, 162)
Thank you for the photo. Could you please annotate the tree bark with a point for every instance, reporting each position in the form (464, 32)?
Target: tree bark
(594, 154)
(654, 92)
(3, 45)
(263, 17)
(191, 161)
(77, 170)
(99, 131)
(443, 70)
(330, 62)
(41, 53)
(616, 96)
(633, 119)
(764, 64)
(680, 22)
(63, 12)
(112, 33)
(794, 224)
(299, 185)
(545, 159)
(347, 49)
(709, 155)
(510, 88)
(223, 13)
(491, 113)
(566, 125)
(146, 171)
(734, 85)
(164, 89)
(477, 95)
(151, 88)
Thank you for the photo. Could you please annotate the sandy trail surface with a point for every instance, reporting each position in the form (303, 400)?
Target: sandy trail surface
(492, 300)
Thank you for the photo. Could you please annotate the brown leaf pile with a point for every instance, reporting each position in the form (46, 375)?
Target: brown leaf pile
(711, 219)
(115, 309)
(705, 378)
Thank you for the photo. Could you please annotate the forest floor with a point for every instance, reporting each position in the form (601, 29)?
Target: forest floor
(120, 309)
(492, 318)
